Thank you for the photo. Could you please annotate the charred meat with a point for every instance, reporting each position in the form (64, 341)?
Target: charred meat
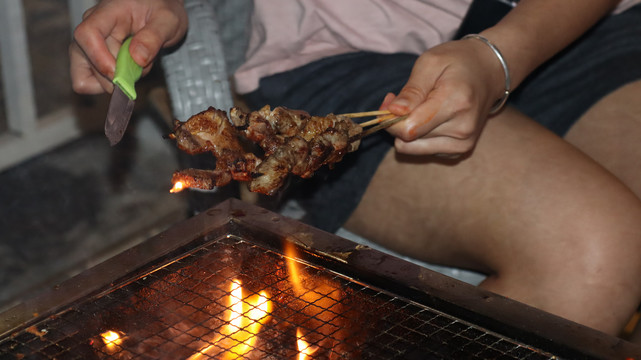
(284, 142)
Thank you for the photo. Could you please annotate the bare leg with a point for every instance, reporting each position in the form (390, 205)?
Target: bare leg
(609, 133)
(548, 225)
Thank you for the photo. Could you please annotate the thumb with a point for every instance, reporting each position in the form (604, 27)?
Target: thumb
(144, 47)
(416, 90)
(407, 100)
(158, 32)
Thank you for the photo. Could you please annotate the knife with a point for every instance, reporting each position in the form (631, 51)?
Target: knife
(124, 95)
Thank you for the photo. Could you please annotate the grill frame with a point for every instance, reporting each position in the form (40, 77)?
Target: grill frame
(235, 218)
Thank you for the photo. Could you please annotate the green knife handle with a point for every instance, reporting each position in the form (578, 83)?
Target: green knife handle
(127, 71)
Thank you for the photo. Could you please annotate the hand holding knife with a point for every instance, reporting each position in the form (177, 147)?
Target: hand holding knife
(124, 95)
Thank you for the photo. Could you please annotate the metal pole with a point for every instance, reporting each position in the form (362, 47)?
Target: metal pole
(16, 69)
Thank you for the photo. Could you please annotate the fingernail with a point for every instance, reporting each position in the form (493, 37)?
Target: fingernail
(142, 53)
(401, 104)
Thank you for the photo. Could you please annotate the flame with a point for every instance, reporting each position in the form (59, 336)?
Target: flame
(292, 268)
(244, 320)
(178, 187)
(321, 308)
(112, 340)
(304, 348)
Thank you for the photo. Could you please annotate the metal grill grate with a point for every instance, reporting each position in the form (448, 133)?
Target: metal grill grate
(224, 285)
(181, 308)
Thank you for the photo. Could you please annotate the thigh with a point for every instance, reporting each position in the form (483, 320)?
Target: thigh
(606, 58)
(609, 132)
(515, 199)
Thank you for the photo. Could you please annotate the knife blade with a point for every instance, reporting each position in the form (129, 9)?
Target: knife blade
(124, 95)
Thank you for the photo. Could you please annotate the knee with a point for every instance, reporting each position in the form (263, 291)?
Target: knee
(589, 275)
(598, 252)
(606, 251)
(610, 246)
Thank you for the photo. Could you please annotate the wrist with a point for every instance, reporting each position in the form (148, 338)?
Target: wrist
(506, 70)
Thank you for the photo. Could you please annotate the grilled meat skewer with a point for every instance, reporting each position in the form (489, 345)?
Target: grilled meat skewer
(291, 141)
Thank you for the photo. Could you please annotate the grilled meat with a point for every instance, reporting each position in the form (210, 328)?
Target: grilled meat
(291, 141)
(211, 131)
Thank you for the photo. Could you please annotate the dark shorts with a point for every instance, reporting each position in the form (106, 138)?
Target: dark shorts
(556, 95)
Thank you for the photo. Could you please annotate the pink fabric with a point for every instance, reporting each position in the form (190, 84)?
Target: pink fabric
(290, 33)
(625, 5)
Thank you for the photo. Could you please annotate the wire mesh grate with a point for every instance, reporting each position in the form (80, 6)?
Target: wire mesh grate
(234, 299)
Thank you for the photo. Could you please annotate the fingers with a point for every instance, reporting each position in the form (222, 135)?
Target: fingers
(164, 29)
(455, 134)
(105, 27)
(93, 51)
(421, 82)
(435, 145)
(447, 100)
(421, 98)
(445, 123)
(435, 141)
(97, 36)
(85, 78)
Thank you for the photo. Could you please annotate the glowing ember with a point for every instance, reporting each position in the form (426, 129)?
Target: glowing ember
(304, 348)
(178, 187)
(111, 339)
(238, 336)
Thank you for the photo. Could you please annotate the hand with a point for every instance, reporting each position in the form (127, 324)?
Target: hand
(154, 24)
(448, 97)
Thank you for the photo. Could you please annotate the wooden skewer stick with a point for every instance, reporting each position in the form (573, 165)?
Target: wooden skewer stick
(382, 125)
(377, 120)
(366, 113)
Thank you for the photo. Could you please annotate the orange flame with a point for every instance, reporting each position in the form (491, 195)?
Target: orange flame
(178, 187)
(321, 311)
(112, 340)
(304, 348)
(244, 320)
(292, 268)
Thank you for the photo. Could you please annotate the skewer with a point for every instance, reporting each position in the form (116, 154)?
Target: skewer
(377, 120)
(366, 113)
(264, 174)
(380, 126)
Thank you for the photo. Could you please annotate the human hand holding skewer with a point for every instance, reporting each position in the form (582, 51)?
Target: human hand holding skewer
(451, 92)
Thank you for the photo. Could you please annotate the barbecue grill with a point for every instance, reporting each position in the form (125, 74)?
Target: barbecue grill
(239, 281)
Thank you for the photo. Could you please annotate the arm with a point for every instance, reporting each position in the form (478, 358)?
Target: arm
(154, 24)
(454, 85)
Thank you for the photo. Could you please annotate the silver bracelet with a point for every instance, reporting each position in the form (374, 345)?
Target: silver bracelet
(501, 102)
